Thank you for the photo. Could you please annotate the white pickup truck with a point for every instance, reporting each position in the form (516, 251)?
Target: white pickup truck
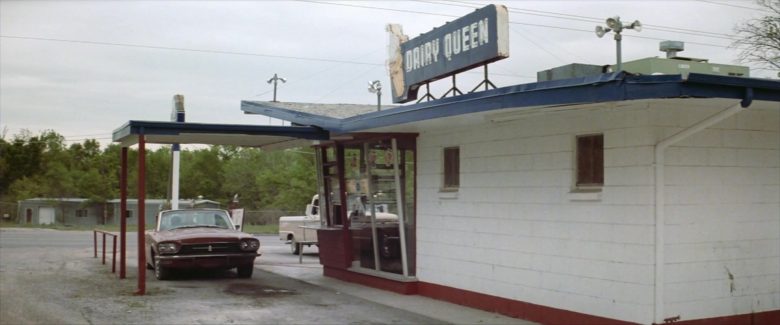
(296, 229)
(302, 230)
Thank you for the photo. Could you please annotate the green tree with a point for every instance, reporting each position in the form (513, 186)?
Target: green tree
(288, 179)
(239, 177)
(158, 172)
(21, 157)
(43, 166)
(271, 179)
(201, 174)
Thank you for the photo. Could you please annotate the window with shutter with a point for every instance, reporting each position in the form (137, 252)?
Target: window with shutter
(451, 168)
(590, 160)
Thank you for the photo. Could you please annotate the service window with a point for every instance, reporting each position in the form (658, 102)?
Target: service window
(590, 161)
(451, 169)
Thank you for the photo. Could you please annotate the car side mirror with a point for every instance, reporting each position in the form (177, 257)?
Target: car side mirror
(238, 227)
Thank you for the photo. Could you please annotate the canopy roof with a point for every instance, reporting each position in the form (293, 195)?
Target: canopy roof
(222, 134)
(574, 92)
(318, 121)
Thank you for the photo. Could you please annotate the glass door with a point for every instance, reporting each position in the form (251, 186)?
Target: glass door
(367, 186)
(382, 223)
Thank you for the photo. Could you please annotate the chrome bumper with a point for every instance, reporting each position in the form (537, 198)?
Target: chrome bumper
(184, 257)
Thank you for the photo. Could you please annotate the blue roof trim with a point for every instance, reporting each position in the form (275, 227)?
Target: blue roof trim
(733, 81)
(174, 128)
(296, 117)
(593, 89)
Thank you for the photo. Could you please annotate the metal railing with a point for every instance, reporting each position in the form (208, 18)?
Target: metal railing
(113, 249)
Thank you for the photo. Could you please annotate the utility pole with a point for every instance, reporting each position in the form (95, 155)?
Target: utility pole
(274, 79)
(614, 24)
(376, 87)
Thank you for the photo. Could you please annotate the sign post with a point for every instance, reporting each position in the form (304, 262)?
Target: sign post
(177, 115)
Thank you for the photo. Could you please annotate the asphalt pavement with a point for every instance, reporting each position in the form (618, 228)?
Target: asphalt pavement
(50, 276)
(278, 259)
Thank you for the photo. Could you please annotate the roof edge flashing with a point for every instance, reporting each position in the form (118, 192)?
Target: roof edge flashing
(293, 116)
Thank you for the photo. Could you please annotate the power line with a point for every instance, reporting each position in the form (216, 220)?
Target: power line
(559, 15)
(34, 38)
(188, 50)
(85, 139)
(552, 54)
(185, 49)
(84, 135)
(730, 5)
(312, 75)
(344, 83)
(511, 22)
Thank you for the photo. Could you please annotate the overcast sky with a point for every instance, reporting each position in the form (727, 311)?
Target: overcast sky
(84, 68)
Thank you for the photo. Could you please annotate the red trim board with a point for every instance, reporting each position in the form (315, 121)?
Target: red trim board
(524, 310)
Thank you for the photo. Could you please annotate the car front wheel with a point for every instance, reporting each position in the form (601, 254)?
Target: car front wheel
(160, 272)
(245, 271)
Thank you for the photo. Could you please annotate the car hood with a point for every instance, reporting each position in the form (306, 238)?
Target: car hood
(201, 235)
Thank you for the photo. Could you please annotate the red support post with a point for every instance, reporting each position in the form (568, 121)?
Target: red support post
(113, 256)
(104, 248)
(122, 214)
(141, 214)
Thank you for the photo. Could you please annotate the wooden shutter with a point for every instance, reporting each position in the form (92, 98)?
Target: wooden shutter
(590, 160)
(451, 167)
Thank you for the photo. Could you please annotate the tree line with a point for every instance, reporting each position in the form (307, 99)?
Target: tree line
(43, 166)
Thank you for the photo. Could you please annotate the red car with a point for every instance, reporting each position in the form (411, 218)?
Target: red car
(199, 238)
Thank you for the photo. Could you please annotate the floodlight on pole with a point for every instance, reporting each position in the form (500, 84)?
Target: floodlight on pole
(274, 79)
(376, 87)
(614, 24)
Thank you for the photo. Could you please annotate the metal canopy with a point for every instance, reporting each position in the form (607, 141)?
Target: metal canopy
(217, 134)
(143, 132)
(609, 87)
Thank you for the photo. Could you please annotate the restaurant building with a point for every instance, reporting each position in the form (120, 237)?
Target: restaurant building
(588, 197)
(597, 199)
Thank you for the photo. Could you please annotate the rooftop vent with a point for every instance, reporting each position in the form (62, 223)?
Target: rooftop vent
(671, 48)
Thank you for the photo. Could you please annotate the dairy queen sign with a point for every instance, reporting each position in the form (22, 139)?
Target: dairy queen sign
(470, 41)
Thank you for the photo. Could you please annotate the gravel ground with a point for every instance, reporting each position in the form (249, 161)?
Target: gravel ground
(50, 277)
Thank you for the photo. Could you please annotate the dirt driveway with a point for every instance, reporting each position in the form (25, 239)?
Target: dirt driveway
(49, 276)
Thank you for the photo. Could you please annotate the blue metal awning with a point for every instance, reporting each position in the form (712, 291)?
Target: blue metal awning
(218, 134)
(610, 87)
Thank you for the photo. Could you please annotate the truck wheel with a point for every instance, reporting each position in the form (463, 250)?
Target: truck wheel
(245, 271)
(295, 247)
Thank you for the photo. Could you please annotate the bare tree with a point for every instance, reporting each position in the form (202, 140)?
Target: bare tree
(759, 41)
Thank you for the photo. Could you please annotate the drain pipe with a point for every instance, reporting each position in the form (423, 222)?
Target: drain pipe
(660, 217)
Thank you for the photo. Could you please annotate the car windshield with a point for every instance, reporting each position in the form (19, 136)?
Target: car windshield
(194, 218)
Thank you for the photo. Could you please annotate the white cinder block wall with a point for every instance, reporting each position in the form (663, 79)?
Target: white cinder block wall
(515, 229)
(723, 215)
